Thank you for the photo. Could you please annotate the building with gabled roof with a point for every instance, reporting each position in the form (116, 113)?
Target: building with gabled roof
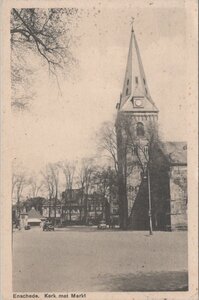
(34, 217)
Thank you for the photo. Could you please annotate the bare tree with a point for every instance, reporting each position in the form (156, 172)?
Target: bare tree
(111, 141)
(142, 149)
(85, 180)
(51, 183)
(68, 169)
(121, 143)
(42, 32)
(105, 180)
(35, 186)
(107, 142)
(14, 182)
(19, 182)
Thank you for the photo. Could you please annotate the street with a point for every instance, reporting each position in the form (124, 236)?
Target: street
(87, 259)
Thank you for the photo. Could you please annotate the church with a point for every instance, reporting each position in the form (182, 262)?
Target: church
(152, 174)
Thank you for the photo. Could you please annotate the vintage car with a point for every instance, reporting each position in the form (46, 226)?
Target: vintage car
(48, 226)
(102, 225)
(27, 227)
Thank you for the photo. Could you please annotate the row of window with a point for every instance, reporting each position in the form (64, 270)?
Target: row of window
(135, 150)
(140, 129)
(91, 207)
(133, 188)
(136, 81)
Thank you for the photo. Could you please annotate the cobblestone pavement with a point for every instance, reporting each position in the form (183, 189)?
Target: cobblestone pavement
(87, 259)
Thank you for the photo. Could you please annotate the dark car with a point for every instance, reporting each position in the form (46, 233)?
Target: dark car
(48, 226)
(27, 227)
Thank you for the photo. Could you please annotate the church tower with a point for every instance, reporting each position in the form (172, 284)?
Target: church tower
(135, 98)
(136, 112)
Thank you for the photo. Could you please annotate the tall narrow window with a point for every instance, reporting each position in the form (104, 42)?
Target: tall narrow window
(136, 80)
(146, 152)
(140, 129)
(144, 81)
(146, 90)
(127, 91)
(134, 150)
(127, 82)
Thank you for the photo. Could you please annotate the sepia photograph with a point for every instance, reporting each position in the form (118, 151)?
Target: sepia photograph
(99, 144)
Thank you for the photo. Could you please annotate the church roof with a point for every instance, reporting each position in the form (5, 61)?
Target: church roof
(135, 83)
(33, 214)
(176, 152)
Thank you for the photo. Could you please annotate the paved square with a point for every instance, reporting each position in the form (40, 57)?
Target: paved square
(87, 259)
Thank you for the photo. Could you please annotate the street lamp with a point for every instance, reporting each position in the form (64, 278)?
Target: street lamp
(147, 176)
(149, 195)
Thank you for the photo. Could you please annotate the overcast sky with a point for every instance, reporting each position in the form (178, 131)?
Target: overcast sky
(63, 126)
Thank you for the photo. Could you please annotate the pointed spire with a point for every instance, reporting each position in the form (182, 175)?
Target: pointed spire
(135, 84)
(132, 21)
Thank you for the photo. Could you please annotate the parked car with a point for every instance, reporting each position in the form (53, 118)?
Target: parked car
(27, 227)
(48, 227)
(102, 225)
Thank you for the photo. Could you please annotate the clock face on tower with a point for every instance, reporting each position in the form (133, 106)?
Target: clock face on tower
(137, 103)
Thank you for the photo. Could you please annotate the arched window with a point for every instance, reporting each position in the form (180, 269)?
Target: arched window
(140, 129)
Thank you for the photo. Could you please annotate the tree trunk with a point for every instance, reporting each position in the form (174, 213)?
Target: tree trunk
(18, 205)
(123, 202)
(55, 213)
(121, 175)
(61, 215)
(55, 210)
(70, 212)
(123, 206)
(49, 209)
(86, 208)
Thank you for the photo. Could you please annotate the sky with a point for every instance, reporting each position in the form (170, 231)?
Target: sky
(63, 125)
